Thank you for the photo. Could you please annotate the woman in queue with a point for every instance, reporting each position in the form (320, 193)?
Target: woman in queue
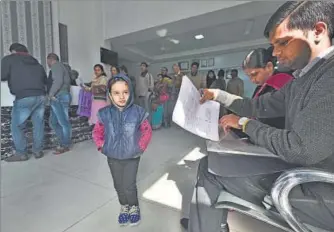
(99, 90)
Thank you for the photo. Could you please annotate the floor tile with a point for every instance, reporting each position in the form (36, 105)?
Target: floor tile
(154, 218)
(82, 156)
(51, 206)
(17, 177)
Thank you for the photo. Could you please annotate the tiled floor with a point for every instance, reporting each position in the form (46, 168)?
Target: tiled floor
(74, 192)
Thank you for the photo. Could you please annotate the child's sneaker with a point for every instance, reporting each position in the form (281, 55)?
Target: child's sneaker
(123, 218)
(134, 215)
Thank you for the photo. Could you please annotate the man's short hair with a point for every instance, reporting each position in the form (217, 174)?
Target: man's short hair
(123, 68)
(235, 71)
(17, 47)
(303, 15)
(195, 63)
(176, 65)
(144, 63)
(53, 56)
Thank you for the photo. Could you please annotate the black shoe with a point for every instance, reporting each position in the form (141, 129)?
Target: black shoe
(17, 158)
(225, 228)
(184, 223)
(38, 155)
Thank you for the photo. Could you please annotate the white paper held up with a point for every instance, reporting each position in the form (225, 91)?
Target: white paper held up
(199, 119)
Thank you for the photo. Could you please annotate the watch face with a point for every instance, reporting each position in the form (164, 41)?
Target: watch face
(242, 121)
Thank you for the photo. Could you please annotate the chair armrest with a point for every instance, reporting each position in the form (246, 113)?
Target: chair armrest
(286, 182)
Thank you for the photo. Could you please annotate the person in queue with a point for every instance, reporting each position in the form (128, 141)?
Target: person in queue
(210, 78)
(144, 87)
(220, 82)
(98, 89)
(301, 34)
(196, 78)
(26, 80)
(235, 84)
(114, 70)
(60, 100)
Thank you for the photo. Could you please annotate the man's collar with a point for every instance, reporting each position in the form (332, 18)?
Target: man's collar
(324, 54)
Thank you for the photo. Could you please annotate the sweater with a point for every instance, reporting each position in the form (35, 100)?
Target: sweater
(144, 84)
(307, 103)
(274, 83)
(26, 77)
(235, 86)
(99, 88)
(61, 80)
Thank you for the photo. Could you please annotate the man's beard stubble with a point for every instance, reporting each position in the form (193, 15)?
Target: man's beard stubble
(303, 58)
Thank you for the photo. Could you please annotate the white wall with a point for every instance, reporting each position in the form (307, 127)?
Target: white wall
(84, 22)
(123, 17)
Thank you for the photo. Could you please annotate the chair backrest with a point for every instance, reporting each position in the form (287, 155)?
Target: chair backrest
(283, 186)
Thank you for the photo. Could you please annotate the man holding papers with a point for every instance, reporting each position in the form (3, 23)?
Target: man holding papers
(301, 33)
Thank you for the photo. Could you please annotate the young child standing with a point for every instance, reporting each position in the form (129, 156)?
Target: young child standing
(122, 133)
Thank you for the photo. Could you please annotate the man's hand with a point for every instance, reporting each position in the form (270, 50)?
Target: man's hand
(229, 121)
(208, 95)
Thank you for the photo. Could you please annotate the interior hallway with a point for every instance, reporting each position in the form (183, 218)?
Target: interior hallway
(74, 192)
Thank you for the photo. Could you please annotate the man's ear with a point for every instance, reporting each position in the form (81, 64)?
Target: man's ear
(320, 31)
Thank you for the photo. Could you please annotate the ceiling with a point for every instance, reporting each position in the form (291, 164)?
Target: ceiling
(227, 30)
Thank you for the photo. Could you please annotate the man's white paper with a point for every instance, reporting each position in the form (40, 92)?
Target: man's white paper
(230, 145)
(199, 119)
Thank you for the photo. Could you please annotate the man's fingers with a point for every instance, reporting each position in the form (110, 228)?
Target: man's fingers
(226, 129)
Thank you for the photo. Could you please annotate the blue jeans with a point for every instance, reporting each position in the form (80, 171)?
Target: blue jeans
(59, 119)
(24, 108)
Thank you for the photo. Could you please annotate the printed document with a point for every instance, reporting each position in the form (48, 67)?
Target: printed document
(199, 119)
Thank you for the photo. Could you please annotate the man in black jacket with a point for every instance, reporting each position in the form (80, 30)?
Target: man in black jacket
(26, 79)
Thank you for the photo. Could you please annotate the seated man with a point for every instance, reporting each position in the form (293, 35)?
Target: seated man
(301, 33)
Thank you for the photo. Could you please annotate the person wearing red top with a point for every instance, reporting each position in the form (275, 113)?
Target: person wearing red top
(260, 65)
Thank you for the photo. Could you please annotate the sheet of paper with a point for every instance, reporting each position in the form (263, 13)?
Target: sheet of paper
(199, 119)
(230, 145)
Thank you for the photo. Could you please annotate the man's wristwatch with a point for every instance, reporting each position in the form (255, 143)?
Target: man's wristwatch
(242, 123)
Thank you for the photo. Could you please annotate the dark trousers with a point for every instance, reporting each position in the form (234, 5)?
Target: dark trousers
(205, 218)
(124, 174)
(168, 111)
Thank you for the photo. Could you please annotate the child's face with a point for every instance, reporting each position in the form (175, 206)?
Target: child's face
(120, 93)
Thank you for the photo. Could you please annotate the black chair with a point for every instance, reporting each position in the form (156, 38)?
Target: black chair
(277, 210)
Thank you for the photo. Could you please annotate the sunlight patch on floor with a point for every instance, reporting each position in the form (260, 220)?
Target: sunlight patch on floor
(168, 189)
